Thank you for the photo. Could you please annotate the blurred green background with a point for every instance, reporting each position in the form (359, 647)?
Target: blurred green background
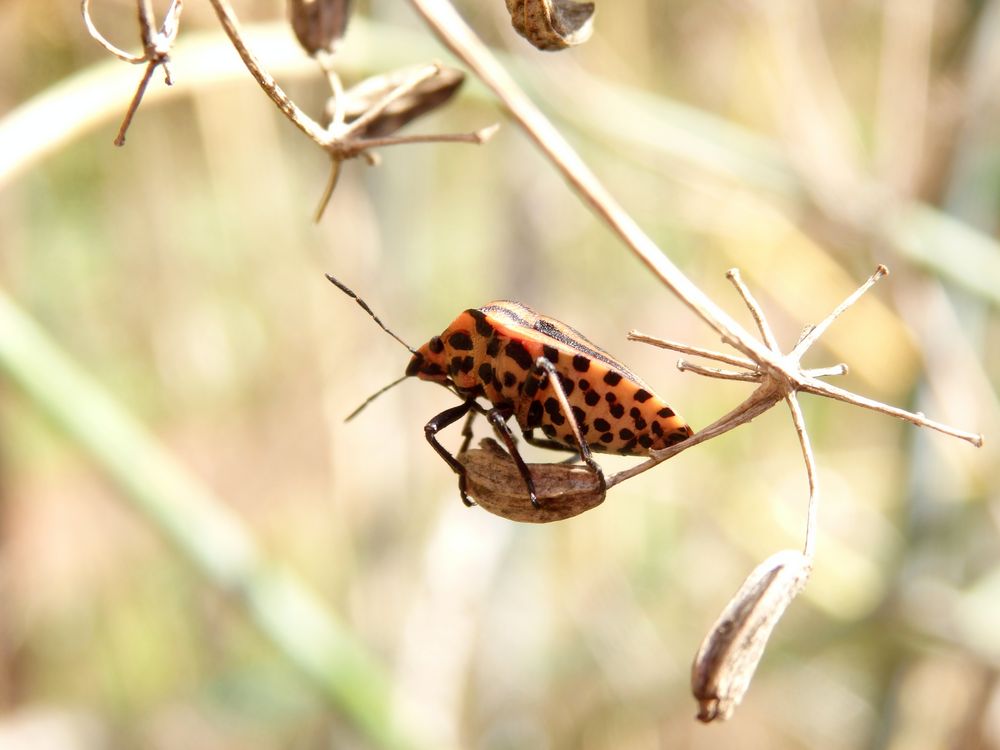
(254, 573)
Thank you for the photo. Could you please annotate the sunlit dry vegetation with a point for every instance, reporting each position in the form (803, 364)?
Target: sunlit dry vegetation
(196, 551)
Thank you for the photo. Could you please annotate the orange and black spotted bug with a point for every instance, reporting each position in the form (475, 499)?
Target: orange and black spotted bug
(531, 368)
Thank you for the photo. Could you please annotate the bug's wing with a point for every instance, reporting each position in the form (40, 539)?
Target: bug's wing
(520, 321)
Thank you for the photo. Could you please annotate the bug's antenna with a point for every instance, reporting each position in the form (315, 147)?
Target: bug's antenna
(374, 396)
(364, 306)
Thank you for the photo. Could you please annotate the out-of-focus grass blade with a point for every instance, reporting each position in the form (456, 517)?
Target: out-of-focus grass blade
(198, 524)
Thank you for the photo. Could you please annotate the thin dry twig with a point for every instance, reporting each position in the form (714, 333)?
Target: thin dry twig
(676, 346)
(777, 387)
(798, 420)
(156, 46)
(343, 138)
(784, 371)
(715, 372)
(733, 274)
(811, 335)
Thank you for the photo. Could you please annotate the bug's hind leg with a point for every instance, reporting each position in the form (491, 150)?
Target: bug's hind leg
(467, 430)
(498, 418)
(553, 377)
(438, 423)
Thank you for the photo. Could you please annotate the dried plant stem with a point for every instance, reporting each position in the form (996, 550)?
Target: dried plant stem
(455, 33)
(812, 335)
(812, 474)
(733, 274)
(784, 371)
(133, 105)
(811, 385)
(715, 372)
(476, 137)
(729, 359)
(291, 110)
(156, 46)
(756, 404)
(798, 420)
(92, 29)
(372, 113)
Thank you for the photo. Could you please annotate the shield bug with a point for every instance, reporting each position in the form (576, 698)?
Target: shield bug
(547, 376)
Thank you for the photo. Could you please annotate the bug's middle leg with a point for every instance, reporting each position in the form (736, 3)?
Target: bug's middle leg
(498, 418)
(545, 366)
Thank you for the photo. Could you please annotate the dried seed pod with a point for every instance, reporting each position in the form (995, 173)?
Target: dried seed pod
(319, 24)
(729, 655)
(552, 24)
(424, 97)
(494, 482)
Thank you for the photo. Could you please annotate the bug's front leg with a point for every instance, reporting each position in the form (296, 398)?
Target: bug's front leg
(544, 365)
(498, 418)
(442, 420)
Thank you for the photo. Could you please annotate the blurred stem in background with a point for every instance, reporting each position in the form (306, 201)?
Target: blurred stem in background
(644, 123)
(210, 536)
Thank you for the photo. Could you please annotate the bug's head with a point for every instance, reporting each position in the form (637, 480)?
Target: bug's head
(428, 363)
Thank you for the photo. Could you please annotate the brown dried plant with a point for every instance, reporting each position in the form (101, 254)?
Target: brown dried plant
(362, 118)
(365, 116)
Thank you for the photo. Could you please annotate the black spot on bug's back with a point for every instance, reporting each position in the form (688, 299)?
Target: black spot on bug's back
(530, 386)
(656, 428)
(493, 347)
(584, 384)
(593, 398)
(626, 434)
(567, 384)
(666, 412)
(634, 412)
(509, 379)
(645, 441)
(516, 351)
(629, 448)
(617, 411)
(461, 364)
(640, 423)
(612, 378)
(607, 437)
(678, 436)
(483, 327)
(549, 430)
(642, 395)
(580, 363)
(601, 424)
(579, 415)
(550, 353)
(610, 397)
(551, 406)
(461, 341)
(486, 372)
(534, 414)
(432, 368)
(436, 345)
